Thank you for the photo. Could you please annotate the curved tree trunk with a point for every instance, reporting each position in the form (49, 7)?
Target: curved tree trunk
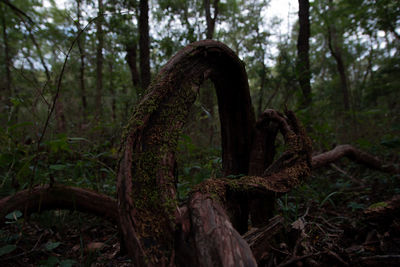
(146, 190)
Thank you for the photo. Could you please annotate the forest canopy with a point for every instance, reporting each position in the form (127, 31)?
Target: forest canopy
(79, 80)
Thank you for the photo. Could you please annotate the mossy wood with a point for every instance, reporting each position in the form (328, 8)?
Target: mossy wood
(146, 191)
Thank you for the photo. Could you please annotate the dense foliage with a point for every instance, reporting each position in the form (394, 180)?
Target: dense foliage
(69, 79)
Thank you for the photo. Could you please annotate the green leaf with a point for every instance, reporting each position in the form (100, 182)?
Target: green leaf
(51, 261)
(52, 245)
(7, 249)
(378, 205)
(58, 167)
(235, 176)
(328, 198)
(77, 139)
(14, 215)
(16, 101)
(355, 206)
(24, 171)
(391, 143)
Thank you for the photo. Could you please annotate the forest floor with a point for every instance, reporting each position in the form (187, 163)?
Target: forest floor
(338, 218)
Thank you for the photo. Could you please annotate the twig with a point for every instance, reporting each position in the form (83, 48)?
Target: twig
(296, 259)
(381, 257)
(336, 256)
(280, 251)
(53, 105)
(17, 10)
(357, 181)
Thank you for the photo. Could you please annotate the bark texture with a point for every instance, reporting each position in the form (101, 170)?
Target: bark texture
(217, 241)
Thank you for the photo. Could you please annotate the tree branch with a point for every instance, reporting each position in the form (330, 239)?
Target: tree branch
(353, 154)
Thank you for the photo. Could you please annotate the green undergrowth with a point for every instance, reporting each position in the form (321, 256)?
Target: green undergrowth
(345, 188)
(61, 158)
(195, 164)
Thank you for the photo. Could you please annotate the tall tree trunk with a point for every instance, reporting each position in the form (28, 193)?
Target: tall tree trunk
(99, 57)
(60, 117)
(112, 91)
(262, 85)
(209, 18)
(131, 59)
(303, 47)
(7, 59)
(82, 59)
(144, 44)
(336, 51)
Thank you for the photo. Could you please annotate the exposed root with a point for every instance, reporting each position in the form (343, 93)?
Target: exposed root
(48, 197)
(353, 154)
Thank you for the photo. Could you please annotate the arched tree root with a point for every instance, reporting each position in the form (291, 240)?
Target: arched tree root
(46, 197)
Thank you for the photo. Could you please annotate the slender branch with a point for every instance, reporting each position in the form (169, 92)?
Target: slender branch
(17, 10)
(53, 105)
(353, 154)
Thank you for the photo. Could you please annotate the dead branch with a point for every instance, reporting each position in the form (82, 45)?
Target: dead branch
(261, 239)
(353, 154)
(388, 260)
